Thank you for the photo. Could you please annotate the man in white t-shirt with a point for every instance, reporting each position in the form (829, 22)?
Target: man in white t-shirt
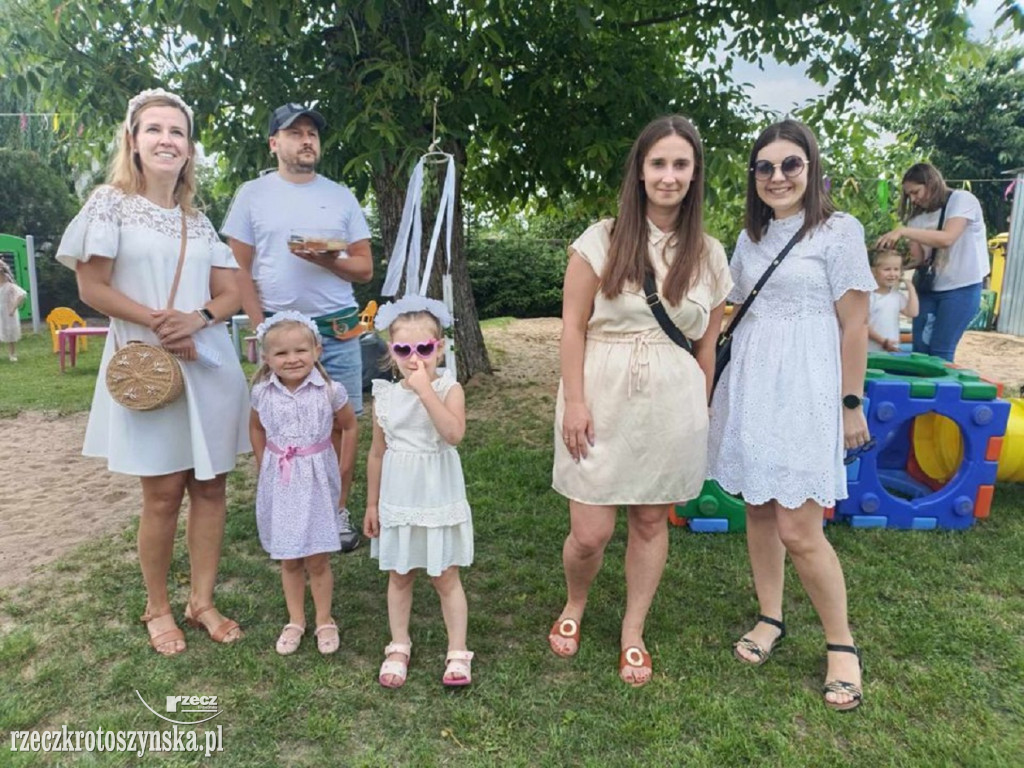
(295, 201)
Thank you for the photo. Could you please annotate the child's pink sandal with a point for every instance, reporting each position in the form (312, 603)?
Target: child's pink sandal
(458, 670)
(329, 641)
(289, 639)
(396, 670)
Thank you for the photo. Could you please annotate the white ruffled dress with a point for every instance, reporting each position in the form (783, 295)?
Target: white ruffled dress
(425, 520)
(208, 426)
(776, 419)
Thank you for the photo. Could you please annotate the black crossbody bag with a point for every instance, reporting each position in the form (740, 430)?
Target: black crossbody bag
(723, 348)
(924, 275)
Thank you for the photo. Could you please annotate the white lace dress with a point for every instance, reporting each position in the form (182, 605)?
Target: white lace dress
(776, 422)
(425, 520)
(10, 324)
(206, 428)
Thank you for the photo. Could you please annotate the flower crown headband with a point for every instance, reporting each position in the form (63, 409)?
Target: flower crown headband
(390, 312)
(280, 317)
(140, 100)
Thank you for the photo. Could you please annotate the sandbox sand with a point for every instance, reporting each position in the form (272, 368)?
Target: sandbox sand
(54, 499)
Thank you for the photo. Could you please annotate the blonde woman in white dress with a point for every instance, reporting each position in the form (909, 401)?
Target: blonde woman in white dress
(124, 246)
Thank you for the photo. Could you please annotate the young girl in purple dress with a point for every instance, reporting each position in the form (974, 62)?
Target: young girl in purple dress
(299, 417)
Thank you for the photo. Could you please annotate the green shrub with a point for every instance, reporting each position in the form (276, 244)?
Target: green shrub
(517, 276)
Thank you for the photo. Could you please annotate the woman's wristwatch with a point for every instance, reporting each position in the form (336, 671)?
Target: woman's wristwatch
(207, 316)
(851, 401)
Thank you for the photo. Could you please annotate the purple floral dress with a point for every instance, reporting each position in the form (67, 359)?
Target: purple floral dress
(299, 489)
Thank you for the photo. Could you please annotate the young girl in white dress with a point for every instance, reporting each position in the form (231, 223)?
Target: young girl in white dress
(789, 400)
(12, 296)
(417, 516)
(299, 418)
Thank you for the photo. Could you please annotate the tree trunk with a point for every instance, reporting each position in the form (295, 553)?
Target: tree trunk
(389, 186)
(470, 350)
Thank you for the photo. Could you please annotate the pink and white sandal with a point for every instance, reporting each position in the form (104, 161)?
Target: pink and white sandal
(329, 641)
(393, 668)
(289, 639)
(458, 670)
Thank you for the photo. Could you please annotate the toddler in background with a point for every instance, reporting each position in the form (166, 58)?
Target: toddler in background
(417, 516)
(888, 301)
(301, 423)
(12, 296)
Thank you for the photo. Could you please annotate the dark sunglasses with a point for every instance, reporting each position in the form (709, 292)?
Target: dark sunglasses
(791, 167)
(855, 453)
(421, 348)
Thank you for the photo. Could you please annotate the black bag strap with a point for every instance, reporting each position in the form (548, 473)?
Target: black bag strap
(658, 309)
(728, 332)
(942, 220)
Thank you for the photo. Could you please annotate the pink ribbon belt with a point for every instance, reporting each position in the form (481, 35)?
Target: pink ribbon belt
(286, 454)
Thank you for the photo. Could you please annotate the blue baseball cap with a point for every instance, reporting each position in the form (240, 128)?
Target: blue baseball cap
(287, 114)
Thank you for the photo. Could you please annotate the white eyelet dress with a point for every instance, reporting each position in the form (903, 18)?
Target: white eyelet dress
(776, 419)
(646, 394)
(425, 520)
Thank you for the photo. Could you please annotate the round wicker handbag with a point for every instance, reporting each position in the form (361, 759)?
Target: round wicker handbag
(144, 377)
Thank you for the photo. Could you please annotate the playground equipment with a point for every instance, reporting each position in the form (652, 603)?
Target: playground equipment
(944, 437)
(887, 487)
(14, 251)
(939, 449)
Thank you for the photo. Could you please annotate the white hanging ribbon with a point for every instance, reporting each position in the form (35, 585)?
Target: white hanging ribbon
(406, 255)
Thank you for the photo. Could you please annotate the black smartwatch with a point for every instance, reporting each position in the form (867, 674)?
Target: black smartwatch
(851, 402)
(207, 315)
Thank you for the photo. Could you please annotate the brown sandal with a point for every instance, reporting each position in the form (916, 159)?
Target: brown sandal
(568, 629)
(225, 628)
(635, 658)
(163, 638)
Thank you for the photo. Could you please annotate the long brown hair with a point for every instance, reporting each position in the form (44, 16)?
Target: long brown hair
(628, 260)
(931, 179)
(125, 170)
(817, 202)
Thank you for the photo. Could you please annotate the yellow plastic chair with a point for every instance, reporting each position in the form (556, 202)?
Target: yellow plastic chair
(65, 317)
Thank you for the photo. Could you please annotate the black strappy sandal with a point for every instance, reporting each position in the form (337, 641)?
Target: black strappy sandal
(751, 647)
(841, 686)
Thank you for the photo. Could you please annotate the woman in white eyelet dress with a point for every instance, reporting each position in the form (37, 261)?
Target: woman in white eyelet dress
(777, 429)
(788, 402)
(124, 246)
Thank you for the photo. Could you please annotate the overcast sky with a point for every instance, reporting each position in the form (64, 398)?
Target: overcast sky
(781, 87)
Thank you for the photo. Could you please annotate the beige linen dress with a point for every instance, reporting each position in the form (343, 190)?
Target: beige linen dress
(646, 394)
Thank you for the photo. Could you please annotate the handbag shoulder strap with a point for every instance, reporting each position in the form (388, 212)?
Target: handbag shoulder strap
(942, 220)
(658, 310)
(727, 334)
(181, 261)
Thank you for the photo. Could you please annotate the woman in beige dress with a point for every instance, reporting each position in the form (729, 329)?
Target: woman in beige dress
(631, 419)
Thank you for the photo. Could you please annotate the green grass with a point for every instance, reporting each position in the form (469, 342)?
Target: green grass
(940, 616)
(36, 383)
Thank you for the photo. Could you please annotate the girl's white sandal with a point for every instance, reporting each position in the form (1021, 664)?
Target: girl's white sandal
(394, 668)
(458, 663)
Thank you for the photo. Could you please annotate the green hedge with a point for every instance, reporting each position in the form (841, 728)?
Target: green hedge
(516, 276)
